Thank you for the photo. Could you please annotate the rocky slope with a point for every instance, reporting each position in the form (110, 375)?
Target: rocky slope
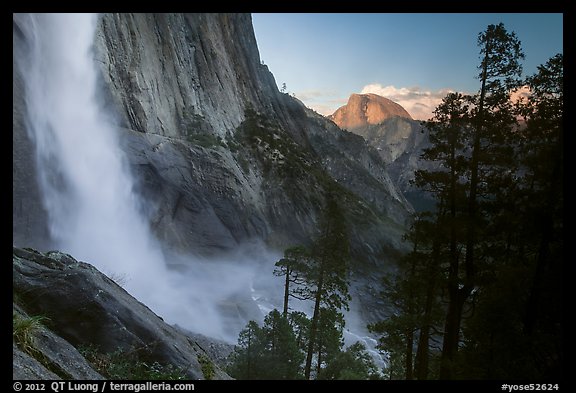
(84, 308)
(389, 128)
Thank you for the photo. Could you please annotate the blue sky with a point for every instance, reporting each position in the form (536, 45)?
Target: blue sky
(413, 59)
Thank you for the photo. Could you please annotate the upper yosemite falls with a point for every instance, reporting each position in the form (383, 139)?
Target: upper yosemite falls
(176, 215)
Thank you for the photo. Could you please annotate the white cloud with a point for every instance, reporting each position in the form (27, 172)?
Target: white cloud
(522, 93)
(419, 103)
(306, 95)
(323, 109)
(323, 102)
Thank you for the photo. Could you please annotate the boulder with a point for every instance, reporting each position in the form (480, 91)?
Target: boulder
(86, 308)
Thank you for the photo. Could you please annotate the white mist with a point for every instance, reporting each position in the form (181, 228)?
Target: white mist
(88, 190)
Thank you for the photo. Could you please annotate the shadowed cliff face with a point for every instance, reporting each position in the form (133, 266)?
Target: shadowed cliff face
(219, 155)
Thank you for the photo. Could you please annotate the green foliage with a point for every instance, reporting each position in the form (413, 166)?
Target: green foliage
(283, 357)
(329, 338)
(207, 367)
(300, 325)
(331, 255)
(328, 281)
(24, 330)
(126, 365)
(516, 330)
(491, 251)
(268, 352)
(206, 140)
(319, 273)
(353, 363)
(244, 362)
(297, 267)
(277, 152)
(500, 55)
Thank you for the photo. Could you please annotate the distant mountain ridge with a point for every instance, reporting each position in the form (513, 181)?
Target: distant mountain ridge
(390, 129)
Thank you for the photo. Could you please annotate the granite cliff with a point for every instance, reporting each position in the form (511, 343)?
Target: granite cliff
(363, 110)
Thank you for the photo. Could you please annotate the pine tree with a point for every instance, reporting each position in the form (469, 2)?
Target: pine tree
(490, 119)
(295, 267)
(353, 363)
(282, 358)
(267, 352)
(542, 159)
(516, 329)
(472, 144)
(328, 283)
(246, 358)
(413, 293)
(330, 337)
(300, 324)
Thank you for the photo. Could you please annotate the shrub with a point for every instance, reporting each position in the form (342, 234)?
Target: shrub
(24, 331)
(207, 366)
(126, 365)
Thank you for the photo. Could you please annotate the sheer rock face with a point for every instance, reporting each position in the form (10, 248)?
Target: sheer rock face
(84, 307)
(366, 109)
(170, 73)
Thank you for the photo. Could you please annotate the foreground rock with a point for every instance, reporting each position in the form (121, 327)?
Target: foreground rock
(26, 367)
(86, 308)
(51, 358)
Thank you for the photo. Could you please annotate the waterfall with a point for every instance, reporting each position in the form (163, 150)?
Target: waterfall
(88, 190)
(86, 184)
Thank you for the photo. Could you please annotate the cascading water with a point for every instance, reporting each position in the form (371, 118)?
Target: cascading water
(87, 188)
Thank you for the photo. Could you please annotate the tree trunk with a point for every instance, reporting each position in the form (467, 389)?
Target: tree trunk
(286, 292)
(409, 349)
(531, 314)
(421, 361)
(452, 332)
(319, 362)
(314, 326)
(458, 296)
